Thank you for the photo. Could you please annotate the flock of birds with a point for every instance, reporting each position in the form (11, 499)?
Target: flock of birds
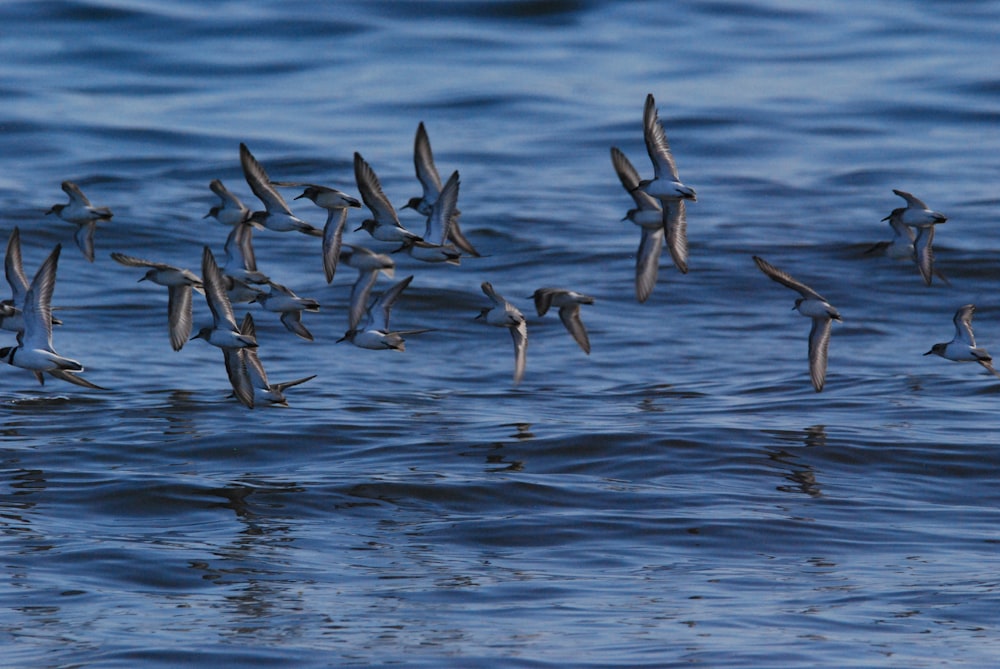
(659, 212)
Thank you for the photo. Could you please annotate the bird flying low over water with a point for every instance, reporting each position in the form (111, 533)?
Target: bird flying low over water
(568, 302)
(34, 349)
(336, 204)
(657, 221)
(665, 184)
(83, 214)
(427, 173)
(12, 310)
(918, 215)
(260, 389)
(503, 314)
(231, 210)
(369, 265)
(814, 306)
(241, 261)
(282, 300)
(224, 332)
(179, 283)
(384, 224)
(276, 215)
(430, 182)
(373, 337)
(962, 347)
(435, 246)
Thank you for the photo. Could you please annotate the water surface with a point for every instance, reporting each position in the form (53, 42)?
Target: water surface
(680, 496)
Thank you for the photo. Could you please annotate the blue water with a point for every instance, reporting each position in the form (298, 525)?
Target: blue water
(680, 497)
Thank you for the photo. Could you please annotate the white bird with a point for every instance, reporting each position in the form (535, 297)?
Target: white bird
(918, 215)
(665, 184)
(369, 265)
(378, 338)
(231, 210)
(11, 311)
(180, 283)
(439, 224)
(656, 222)
(814, 306)
(241, 261)
(238, 291)
(336, 204)
(901, 244)
(276, 216)
(282, 300)
(85, 215)
(568, 302)
(262, 390)
(503, 314)
(962, 348)
(427, 173)
(384, 224)
(224, 333)
(34, 349)
(430, 182)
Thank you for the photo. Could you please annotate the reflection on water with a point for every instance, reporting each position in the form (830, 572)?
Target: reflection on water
(800, 474)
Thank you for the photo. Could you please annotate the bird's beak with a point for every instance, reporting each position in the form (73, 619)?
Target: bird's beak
(929, 352)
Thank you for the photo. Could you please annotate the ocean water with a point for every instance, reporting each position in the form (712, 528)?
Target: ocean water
(681, 496)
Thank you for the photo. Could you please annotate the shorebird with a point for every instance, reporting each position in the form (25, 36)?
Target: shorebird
(440, 220)
(12, 310)
(34, 349)
(336, 204)
(377, 338)
(384, 224)
(180, 283)
(814, 306)
(369, 265)
(430, 182)
(241, 261)
(503, 314)
(276, 215)
(657, 221)
(283, 301)
(962, 347)
(83, 214)
(231, 210)
(224, 333)
(665, 184)
(262, 390)
(568, 302)
(920, 216)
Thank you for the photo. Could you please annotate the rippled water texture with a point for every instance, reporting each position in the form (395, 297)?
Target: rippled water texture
(681, 496)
